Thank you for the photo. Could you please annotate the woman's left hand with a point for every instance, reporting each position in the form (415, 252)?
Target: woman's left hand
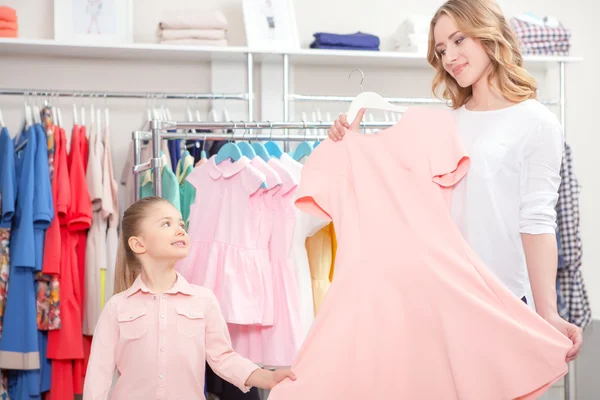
(571, 331)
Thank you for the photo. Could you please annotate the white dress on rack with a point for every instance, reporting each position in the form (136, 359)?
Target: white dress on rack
(306, 226)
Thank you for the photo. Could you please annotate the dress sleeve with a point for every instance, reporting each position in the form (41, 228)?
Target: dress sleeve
(324, 169)
(448, 160)
(540, 178)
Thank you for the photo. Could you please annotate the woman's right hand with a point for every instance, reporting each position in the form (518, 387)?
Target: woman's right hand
(336, 131)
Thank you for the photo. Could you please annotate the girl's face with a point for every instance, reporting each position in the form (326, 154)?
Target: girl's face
(164, 236)
(463, 58)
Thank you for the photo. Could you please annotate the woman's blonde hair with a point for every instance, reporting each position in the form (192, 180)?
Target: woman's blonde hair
(484, 21)
(128, 266)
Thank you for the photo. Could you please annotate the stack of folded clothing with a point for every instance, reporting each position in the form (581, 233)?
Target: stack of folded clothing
(8, 22)
(198, 28)
(541, 36)
(413, 34)
(354, 41)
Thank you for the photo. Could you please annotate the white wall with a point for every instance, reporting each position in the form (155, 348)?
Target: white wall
(379, 17)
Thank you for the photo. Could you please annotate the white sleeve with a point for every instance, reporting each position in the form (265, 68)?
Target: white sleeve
(540, 178)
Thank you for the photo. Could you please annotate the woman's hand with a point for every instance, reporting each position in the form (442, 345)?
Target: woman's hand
(571, 331)
(266, 379)
(336, 131)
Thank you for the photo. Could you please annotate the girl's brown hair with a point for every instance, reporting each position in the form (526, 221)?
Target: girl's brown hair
(484, 21)
(128, 266)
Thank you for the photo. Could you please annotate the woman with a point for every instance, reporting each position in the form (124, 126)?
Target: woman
(505, 206)
(159, 330)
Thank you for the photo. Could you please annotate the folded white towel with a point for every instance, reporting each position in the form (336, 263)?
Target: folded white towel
(196, 42)
(418, 24)
(193, 19)
(174, 34)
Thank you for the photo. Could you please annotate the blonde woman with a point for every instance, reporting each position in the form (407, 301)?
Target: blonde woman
(505, 206)
(413, 312)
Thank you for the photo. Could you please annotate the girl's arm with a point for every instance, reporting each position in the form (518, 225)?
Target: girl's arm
(102, 363)
(539, 185)
(228, 364)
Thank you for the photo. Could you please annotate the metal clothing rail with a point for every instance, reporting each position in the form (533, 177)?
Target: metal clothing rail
(401, 100)
(123, 95)
(158, 132)
(49, 93)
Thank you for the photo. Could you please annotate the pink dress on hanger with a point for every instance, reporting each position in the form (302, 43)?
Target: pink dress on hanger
(224, 223)
(277, 345)
(412, 312)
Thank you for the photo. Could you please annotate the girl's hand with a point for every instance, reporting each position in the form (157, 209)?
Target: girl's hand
(265, 379)
(336, 131)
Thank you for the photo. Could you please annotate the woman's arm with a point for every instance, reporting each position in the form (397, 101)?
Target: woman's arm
(540, 181)
(102, 364)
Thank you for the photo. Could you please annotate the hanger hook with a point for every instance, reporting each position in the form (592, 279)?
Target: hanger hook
(245, 130)
(362, 77)
(305, 129)
(234, 129)
(270, 133)
(204, 142)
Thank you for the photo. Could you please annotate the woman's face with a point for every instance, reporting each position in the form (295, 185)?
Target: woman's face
(164, 236)
(463, 58)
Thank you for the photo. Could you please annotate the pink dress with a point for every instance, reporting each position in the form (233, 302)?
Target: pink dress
(412, 312)
(224, 231)
(277, 345)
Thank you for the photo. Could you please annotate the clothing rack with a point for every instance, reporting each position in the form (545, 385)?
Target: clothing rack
(159, 132)
(49, 93)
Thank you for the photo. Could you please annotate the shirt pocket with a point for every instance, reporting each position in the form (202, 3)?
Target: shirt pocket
(133, 324)
(190, 323)
(488, 158)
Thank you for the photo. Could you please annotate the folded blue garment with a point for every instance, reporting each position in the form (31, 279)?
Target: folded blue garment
(355, 40)
(313, 45)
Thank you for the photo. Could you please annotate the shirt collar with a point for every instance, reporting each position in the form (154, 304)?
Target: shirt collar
(181, 286)
(227, 169)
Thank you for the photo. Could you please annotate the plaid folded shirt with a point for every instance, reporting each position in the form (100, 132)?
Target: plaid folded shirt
(571, 284)
(546, 48)
(527, 32)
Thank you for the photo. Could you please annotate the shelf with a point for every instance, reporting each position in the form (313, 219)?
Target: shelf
(158, 52)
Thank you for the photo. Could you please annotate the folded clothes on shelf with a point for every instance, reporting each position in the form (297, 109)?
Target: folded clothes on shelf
(412, 34)
(353, 41)
(193, 28)
(541, 36)
(9, 27)
(188, 19)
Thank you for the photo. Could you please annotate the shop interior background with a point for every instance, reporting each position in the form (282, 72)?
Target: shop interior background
(379, 17)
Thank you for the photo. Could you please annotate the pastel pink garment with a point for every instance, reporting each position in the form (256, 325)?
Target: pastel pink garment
(412, 312)
(277, 345)
(224, 231)
(160, 345)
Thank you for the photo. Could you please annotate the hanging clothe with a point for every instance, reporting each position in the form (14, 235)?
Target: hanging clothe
(305, 227)
(187, 191)
(223, 255)
(385, 317)
(571, 284)
(110, 208)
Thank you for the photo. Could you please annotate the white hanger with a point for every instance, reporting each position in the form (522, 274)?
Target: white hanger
(60, 124)
(75, 118)
(370, 100)
(1, 120)
(99, 123)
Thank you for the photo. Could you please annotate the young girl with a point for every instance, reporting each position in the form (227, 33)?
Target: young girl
(158, 330)
(505, 205)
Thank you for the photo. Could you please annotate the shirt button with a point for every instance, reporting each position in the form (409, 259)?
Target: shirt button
(154, 297)
(160, 376)
(162, 349)
(162, 315)
(164, 297)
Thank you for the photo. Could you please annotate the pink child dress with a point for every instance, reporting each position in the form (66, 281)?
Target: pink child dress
(224, 230)
(412, 312)
(277, 345)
